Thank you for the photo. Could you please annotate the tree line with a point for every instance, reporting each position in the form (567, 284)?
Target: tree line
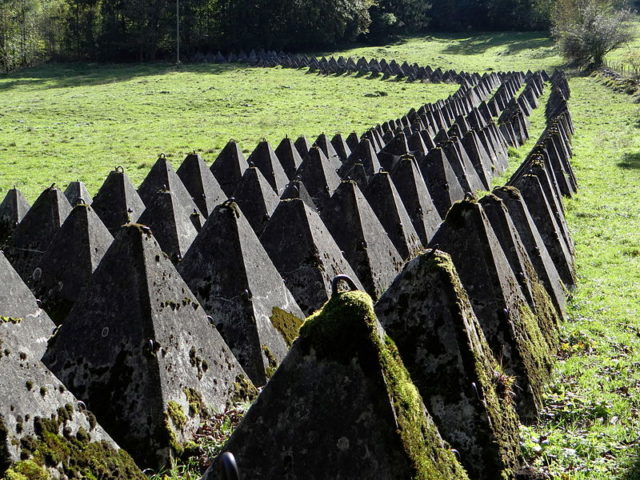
(145, 30)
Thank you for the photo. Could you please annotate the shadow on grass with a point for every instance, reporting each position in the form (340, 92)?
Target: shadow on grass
(630, 161)
(65, 75)
(633, 470)
(479, 44)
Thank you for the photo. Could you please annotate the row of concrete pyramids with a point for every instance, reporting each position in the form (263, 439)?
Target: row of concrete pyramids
(495, 294)
(244, 284)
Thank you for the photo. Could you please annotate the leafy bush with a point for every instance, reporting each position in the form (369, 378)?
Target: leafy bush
(587, 30)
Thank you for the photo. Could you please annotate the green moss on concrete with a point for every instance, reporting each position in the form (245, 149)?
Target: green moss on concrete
(286, 323)
(196, 403)
(177, 416)
(71, 455)
(13, 320)
(347, 324)
(26, 470)
(243, 390)
(272, 362)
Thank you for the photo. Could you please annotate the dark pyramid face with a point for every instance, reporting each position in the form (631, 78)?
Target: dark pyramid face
(235, 281)
(370, 424)
(520, 263)
(12, 210)
(77, 192)
(353, 140)
(38, 412)
(416, 198)
(162, 177)
(367, 156)
(296, 189)
(358, 174)
(329, 151)
(117, 202)
(441, 180)
(138, 346)
(427, 313)
(23, 323)
(474, 180)
(362, 238)
(551, 233)
(478, 156)
(32, 236)
(267, 161)
(319, 178)
(341, 147)
(305, 253)
(66, 268)
(303, 145)
(229, 167)
(170, 223)
(256, 199)
(289, 157)
(533, 243)
(201, 184)
(507, 321)
(388, 207)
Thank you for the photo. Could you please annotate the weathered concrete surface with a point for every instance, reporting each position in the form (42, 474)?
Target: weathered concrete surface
(320, 179)
(341, 406)
(12, 210)
(170, 223)
(201, 184)
(441, 180)
(256, 198)
(163, 177)
(117, 201)
(33, 234)
(462, 166)
(66, 268)
(237, 284)
(427, 313)
(229, 167)
(416, 198)
(305, 253)
(45, 433)
(531, 239)
(289, 157)
(138, 349)
(296, 189)
(551, 233)
(76, 192)
(362, 238)
(520, 263)
(504, 315)
(387, 205)
(269, 164)
(22, 322)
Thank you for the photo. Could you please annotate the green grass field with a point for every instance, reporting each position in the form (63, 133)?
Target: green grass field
(60, 123)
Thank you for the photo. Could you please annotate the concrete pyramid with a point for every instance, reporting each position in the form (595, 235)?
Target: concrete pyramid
(387, 205)
(76, 192)
(504, 315)
(22, 321)
(238, 286)
(170, 223)
(341, 147)
(551, 233)
(229, 167)
(162, 177)
(320, 179)
(520, 263)
(362, 238)
(289, 157)
(532, 241)
(256, 198)
(479, 157)
(353, 140)
(138, 349)
(201, 184)
(66, 267)
(463, 168)
(296, 189)
(329, 151)
(12, 210)
(117, 201)
(303, 145)
(441, 180)
(354, 402)
(33, 234)
(416, 198)
(46, 431)
(304, 252)
(428, 315)
(269, 164)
